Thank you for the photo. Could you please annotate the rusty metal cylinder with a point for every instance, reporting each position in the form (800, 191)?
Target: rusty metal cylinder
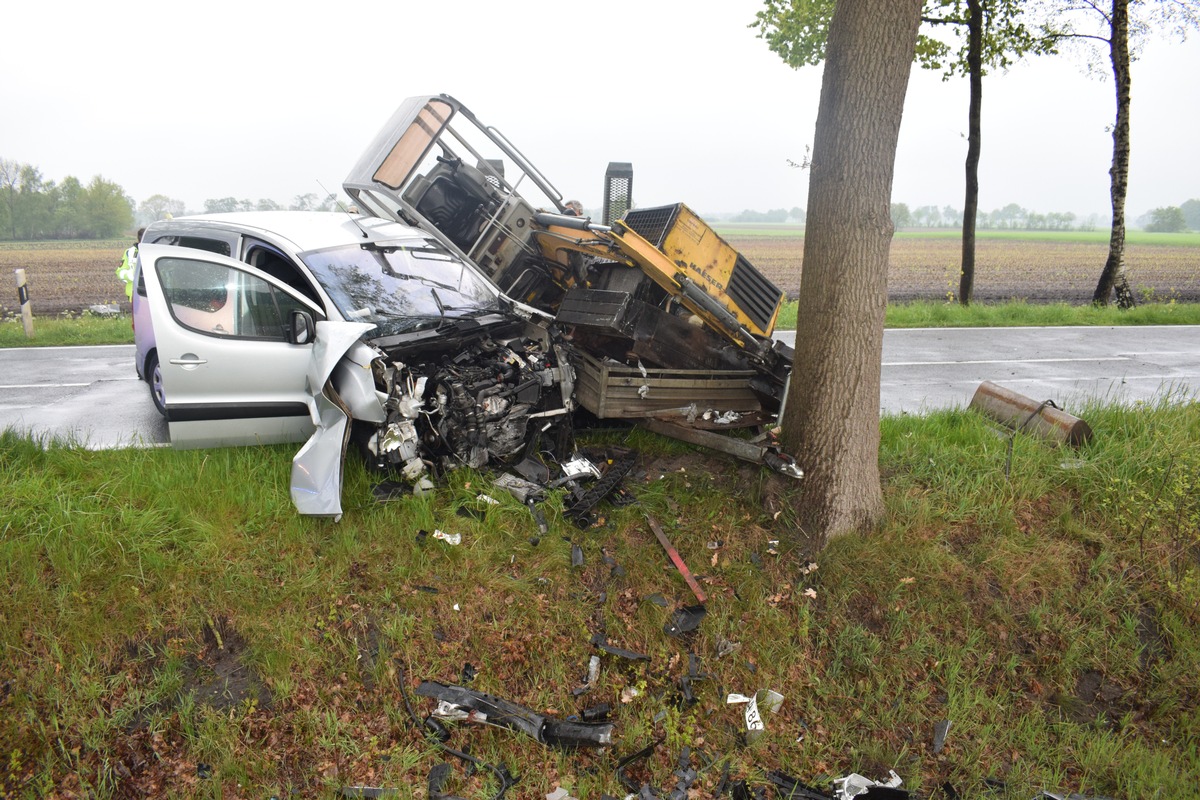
(1022, 413)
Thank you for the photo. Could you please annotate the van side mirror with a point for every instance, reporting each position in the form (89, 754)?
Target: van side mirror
(301, 328)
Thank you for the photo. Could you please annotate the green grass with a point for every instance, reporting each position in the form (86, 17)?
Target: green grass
(59, 331)
(1053, 616)
(1018, 313)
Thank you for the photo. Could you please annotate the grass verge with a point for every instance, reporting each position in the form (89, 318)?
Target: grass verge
(61, 331)
(1017, 313)
(170, 626)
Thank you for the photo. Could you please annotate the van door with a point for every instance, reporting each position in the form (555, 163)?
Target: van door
(230, 373)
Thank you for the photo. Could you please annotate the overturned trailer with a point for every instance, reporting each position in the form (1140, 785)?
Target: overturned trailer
(661, 319)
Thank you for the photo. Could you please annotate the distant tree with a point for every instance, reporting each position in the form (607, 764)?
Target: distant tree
(266, 204)
(797, 214)
(109, 211)
(1191, 214)
(70, 209)
(34, 217)
(10, 179)
(927, 216)
(992, 33)
(1167, 220)
(159, 206)
(901, 216)
(952, 217)
(221, 206)
(1114, 30)
(303, 202)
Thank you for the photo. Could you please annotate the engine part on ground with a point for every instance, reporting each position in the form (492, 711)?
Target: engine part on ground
(481, 708)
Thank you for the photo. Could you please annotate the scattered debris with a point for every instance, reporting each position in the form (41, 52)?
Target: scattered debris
(939, 735)
(676, 559)
(599, 641)
(593, 676)
(448, 538)
(467, 704)
(772, 701)
(629, 693)
(576, 556)
(657, 599)
(736, 699)
(487, 499)
(854, 785)
(685, 620)
(560, 794)
(726, 647)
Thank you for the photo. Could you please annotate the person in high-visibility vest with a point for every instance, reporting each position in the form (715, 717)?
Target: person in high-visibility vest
(125, 271)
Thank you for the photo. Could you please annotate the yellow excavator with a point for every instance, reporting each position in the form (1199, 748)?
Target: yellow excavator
(668, 323)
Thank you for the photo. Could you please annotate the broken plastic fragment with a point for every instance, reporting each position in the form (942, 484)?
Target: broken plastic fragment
(939, 735)
(771, 701)
(854, 784)
(736, 699)
(483, 498)
(685, 620)
(448, 538)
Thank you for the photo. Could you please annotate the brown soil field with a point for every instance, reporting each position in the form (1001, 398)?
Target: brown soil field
(1036, 271)
(66, 277)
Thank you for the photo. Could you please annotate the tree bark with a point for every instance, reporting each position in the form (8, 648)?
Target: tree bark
(832, 418)
(966, 281)
(1112, 277)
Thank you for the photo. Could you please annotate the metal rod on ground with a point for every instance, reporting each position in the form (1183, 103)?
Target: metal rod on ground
(26, 309)
(676, 559)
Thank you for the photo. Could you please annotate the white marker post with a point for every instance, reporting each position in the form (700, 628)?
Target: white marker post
(23, 298)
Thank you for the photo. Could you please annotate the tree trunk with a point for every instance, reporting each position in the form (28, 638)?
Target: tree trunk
(966, 281)
(832, 418)
(1113, 276)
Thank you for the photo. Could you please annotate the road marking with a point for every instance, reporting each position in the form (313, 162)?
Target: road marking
(42, 385)
(1000, 361)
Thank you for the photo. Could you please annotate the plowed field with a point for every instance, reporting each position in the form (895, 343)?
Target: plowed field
(70, 276)
(1037, 271)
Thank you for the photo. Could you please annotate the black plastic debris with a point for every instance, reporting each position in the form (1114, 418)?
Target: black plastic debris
(203, 771)
(483, 708)
(579, 510)
(600, 642)
(686, 695)
(685, 620)
(597, 713)
(657, 599)
(469, 672)
(685, 776)
(638, 755)
(787, 786)
(387, 491)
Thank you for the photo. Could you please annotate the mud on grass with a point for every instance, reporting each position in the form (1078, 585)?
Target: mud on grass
(172, 627)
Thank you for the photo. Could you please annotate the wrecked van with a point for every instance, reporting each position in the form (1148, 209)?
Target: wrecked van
(334, 329)
(459, 315)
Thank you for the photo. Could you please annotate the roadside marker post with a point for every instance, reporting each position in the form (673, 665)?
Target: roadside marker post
(23, 298)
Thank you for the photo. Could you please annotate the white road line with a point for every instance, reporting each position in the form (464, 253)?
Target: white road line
(1002, 361)
(43, 385)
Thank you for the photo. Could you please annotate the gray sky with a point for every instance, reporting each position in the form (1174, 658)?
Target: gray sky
(257, 99)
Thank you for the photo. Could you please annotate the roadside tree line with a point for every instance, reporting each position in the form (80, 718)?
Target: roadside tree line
(32, 207)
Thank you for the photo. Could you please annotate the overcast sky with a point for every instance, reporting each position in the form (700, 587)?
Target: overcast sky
(257, 99)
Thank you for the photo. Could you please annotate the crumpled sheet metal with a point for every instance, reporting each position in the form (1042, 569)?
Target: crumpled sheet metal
(316, 484)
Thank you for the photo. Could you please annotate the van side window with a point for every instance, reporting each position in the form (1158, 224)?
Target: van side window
(196, 242)
(220, 301)
(281, 268)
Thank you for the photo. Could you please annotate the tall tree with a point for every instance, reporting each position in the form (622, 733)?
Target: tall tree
(159, 206)
(10, 180)
(993, 34)
(1118, 28)
(832, 417)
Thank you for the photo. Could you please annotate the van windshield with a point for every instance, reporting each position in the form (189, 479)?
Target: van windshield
(401, 286)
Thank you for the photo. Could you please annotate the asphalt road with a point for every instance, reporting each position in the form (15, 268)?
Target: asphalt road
(91, 395)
